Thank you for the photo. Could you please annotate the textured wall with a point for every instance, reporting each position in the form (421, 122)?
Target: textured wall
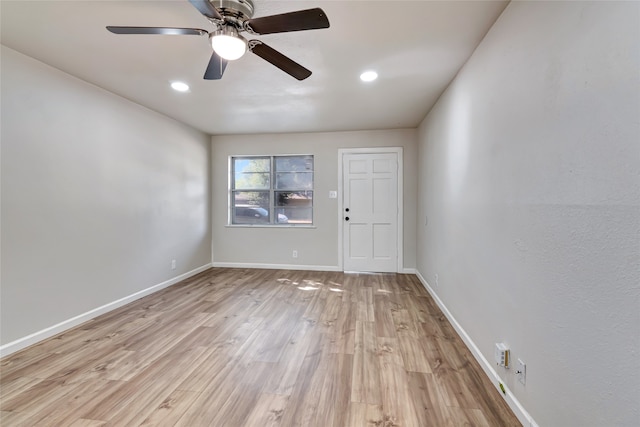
(98, 196)
(529, 180)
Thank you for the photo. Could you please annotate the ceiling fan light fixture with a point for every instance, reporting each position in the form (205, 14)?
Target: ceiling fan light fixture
(228, 44)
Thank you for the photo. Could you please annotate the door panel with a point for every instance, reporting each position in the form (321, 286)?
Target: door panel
(382, 165)
(358, 234)
(357, 166)
(370, 192)
(382, 242)
(383, 192)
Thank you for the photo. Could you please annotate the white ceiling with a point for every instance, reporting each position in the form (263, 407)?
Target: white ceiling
(416, 47)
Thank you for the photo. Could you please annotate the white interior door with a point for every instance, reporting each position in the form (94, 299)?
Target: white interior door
(370, 212)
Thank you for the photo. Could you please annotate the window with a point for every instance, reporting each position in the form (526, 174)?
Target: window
(276, 190)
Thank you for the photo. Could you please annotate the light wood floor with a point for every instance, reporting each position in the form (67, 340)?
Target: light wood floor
(233, 347)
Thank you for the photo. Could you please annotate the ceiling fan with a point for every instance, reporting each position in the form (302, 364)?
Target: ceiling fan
(232, 17)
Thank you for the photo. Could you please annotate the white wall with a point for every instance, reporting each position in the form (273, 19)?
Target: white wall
(98, 196)
(317, 247)
(529, 179)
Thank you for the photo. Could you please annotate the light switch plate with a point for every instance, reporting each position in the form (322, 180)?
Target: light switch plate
(521, 371)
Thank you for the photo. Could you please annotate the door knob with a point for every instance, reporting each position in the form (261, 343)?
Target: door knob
(346, 218)
(346, 210)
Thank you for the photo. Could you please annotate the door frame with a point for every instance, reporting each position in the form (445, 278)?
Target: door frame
(400, 239)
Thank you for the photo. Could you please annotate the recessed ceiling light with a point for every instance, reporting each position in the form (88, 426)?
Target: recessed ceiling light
(180, 86)
(368, 76)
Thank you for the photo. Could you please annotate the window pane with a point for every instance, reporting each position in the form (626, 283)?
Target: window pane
(294, 172)
(252, 173)
(294, 164)
(250, 207)
(294, 181)
(294, 206)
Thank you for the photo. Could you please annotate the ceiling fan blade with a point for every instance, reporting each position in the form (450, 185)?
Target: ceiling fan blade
(310, 19)
(286, 64)
(207, 9)
(158, 30)
(216, 67)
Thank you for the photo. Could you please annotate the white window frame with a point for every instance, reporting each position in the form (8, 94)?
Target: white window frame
(272, 190)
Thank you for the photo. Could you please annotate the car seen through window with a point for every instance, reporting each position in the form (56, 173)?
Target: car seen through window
(256, 215)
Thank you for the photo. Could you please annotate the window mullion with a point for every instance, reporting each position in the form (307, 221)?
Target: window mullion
(272, 200)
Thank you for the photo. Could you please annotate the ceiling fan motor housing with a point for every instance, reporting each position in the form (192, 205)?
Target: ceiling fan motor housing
(235, 11)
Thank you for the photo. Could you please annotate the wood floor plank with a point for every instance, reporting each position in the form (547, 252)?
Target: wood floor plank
(268, 411)
(366, 311)
(329, 316)
(136, 399)
(365, 415)
(333, 403)
(365, 383)
(397, 404)
(430, 398)
(476, 417)
(34, 398)
(249, 347)
(437, 361)
(222, 360)
(285, 373)
(316, 304)
(16, 386)
(225, 336)
(276, 330)
(214, 369)
(119, 365)
(8, 418)
(301, 411)
(383, 318)
(243, 398)
(344, 331)
(25, 364)
(228, 399)
(72, 399)
(414, 354)
(87, 423)
(417, 307)
(180, 323)
(171, 409)
(413, 347)
(465, 417)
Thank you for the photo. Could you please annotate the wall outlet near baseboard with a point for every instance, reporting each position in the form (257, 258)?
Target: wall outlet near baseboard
(295, 254)
(173, 264)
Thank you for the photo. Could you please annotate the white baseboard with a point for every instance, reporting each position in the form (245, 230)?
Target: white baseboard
(277, 266)
(292, 267)
(523, 416)
(36, 337)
